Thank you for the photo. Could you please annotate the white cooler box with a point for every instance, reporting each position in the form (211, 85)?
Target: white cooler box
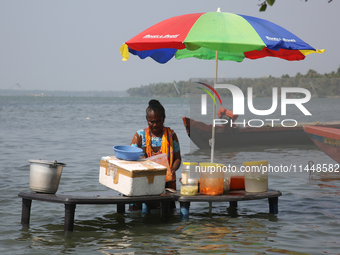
(132, 178)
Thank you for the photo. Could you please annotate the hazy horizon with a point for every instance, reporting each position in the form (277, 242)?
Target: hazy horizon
(75, 45)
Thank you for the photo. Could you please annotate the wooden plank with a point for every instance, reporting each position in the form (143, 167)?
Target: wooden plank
(92, 198)
(103, 198)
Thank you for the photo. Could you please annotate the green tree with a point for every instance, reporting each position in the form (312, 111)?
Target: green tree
(327, 84)
(264, 4)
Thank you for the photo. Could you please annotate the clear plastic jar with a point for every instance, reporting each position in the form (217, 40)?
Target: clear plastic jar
(211, 179)
(189, 180)
(256, 176)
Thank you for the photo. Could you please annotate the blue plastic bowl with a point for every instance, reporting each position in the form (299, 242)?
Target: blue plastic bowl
(127, 152)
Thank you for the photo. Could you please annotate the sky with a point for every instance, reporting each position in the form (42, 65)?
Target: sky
(74, 44)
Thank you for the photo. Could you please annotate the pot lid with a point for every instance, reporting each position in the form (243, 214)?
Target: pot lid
(39, 161)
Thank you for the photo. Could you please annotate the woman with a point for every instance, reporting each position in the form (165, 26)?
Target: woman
(157, 139)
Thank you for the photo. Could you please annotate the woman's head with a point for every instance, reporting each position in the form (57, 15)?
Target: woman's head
(156, 107)
(155, 115)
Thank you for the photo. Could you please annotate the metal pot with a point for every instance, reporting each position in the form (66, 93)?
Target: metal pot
(45, 175)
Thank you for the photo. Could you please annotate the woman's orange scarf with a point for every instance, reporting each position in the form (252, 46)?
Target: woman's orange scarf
(167, 144)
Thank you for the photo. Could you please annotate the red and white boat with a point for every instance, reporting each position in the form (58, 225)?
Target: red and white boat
(327, 139)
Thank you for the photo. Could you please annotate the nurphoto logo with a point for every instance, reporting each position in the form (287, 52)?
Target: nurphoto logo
(239, 102)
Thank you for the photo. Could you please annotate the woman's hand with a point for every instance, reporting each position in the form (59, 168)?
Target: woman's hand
(173, 171)
(177, 162)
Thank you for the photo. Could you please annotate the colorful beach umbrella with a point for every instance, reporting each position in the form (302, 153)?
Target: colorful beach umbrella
(200, 35)
(219, 36)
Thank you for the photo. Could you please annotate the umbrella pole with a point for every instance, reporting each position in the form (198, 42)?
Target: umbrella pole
(214, 113)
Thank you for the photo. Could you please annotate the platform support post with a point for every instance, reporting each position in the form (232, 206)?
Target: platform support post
(69, 216)
(165, 211)
(184, 207)
(26, 211)
(210, 208)
(273, 205)
(121, 208)
(233, 204)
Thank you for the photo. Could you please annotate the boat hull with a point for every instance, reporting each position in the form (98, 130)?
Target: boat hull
(327, 139)
(201, 133)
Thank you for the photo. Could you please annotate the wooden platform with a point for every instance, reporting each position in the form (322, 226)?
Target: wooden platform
(232, 197)
(71, 200)
(108, 197)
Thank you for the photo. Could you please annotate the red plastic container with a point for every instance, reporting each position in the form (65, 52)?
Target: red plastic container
(237, 182)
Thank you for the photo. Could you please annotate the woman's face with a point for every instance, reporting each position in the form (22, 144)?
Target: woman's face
(155, 122)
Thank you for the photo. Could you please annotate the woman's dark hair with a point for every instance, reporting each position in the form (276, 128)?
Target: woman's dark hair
(156, 107)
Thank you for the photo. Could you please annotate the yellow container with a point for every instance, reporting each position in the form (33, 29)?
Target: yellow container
(211, 178)
(255, 176)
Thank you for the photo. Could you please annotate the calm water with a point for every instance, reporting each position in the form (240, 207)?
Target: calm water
(79, 131)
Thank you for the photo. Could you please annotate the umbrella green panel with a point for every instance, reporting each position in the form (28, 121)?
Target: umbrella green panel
(204, 53)
(227, 33)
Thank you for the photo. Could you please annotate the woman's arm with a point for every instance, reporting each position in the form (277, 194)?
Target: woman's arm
(177, 155)
(137, 142)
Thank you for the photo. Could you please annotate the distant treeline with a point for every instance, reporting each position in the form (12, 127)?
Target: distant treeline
(320, 85)
(60, 93)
